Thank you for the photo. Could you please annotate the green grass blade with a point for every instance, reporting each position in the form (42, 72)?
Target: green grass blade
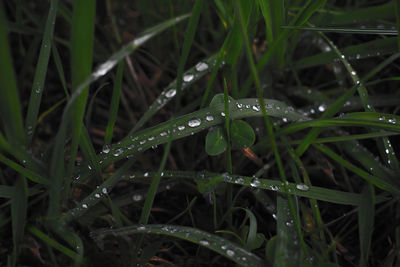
(112, 117)
(19, 206)
(190, 76)
(345, 30)
(10, 106)
(40, 72)
(51, 242)
(57, 162)
(220, 245)
(366, 215)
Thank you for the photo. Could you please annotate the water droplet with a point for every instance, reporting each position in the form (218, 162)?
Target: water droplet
(289, 223)
(137, 197)
(209, 118)
(194, 123)
(132, 176)
(255, 182)
(223, 247)
(381, 118)
(322, 108)
(118, 152)
(239, 180)
(142, 142)
(223, 114)
(358, 56)
(141, 228)
(188, 77)
(274, 216)
(170, 93)
(38, 90)
(146, 174)
(312, 111)
(274, 187)
(353, 73)
(97, 195)
(256, 108)
(230, 253)
(392, 121)
(284, 119)
(89, 167)
(201, 66)
(84, 206)
(204, 242)
(239, 105)
(302, 187)
(387, 151)
(106, 149)
(181, 128)
(104, 190)
(163, 134)
(342, 56)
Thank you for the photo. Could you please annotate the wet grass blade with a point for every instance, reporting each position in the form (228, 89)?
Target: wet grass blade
(10, 106)
(345, 30)
(220, 245)
(366, 215)
(40, 72)
(112, 117)
(57, 162)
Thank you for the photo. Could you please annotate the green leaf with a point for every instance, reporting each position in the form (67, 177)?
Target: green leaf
(219, 99)
(215, 141)
(242, 134)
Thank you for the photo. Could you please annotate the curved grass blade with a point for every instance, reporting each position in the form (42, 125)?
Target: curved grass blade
(57, 162)
(40, 72)
(114, 104)
(220, 245)
(377, 47)
(189, 77)
(344, 30)
(10, 106)
(318, 193)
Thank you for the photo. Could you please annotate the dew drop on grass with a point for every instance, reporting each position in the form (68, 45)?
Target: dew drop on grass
(209, 118)
(256, 108)
(137, 197)
(38, 90)
(142, 142)
(170, 93)
(162, 134)
(194, 123)
(201, 66)
(302, 187)
(84, 206)
(255, 182)
(118, 152)
(322, 108)
(274, 187)
(284, 119)
(204, 242)
(181, 127)
(146, 174)
(132, 176)
(188, 77)
(97, 195)
(104, 190)
(230, 253)
(151, 138)
(239, 105)
(239, 180)
(141, 228)
(223, 114)
(106, 149)
(353, 73)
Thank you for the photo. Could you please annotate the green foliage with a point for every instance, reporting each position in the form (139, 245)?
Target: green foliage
(307, 168)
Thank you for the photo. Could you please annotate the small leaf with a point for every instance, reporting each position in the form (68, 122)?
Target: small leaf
(242, 134)
(215, 141)
(219, 99)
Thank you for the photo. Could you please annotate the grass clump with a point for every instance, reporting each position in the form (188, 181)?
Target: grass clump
(190, 133)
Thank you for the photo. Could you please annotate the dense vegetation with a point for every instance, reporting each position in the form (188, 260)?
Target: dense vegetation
(199, 133)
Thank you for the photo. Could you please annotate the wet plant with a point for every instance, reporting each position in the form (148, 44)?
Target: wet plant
(198, 133)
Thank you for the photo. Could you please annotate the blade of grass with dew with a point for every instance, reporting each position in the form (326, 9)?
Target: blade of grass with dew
(344, 30)
(19, 205)
(96, 195)
(377, 181)
(57, 161)
(187, 43)
(384, 143)
(112, 117)
(28, 173)
(397, 12)
(372, 48)
(193, 74)
(229, 189)
(192, 123)
(10, 106)
(270, 130)
(213, 242)
(40, 72)
(318, 193)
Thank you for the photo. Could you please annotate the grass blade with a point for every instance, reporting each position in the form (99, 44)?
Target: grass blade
(366, 216)
(220, 245)
(40, 72)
